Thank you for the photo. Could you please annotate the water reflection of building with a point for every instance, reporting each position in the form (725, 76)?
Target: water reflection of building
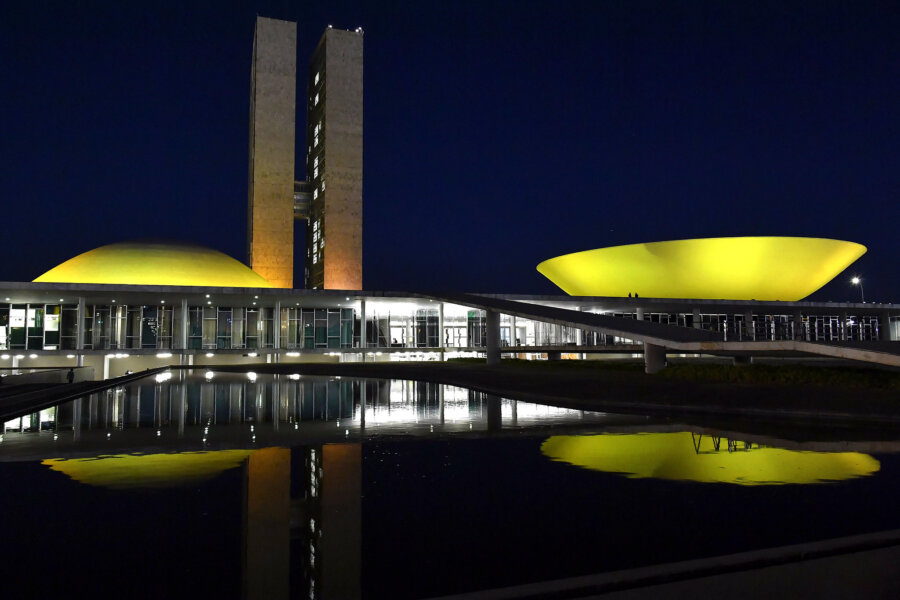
(285, 405)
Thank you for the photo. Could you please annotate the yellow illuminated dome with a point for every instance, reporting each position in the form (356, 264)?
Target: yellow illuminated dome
(124, 471)
(735, 268)
(155, 263)
(680, 457)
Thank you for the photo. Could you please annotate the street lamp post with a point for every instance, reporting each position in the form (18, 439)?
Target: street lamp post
(862, 293)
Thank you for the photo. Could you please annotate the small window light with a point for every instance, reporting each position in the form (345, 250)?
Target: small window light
(207, 295)
(61, 300)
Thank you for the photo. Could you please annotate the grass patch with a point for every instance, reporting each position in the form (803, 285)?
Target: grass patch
(630, 365)
(787, 375)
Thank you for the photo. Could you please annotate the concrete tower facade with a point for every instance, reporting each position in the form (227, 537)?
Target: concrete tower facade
(334, 162)
(270, 206)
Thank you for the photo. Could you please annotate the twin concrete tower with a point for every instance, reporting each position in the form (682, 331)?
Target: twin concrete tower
(330, 198)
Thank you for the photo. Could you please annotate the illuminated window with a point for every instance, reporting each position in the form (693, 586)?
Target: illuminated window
(316, 79)
(316, 101)
(315, 194)
(315, 171)
(316, 161)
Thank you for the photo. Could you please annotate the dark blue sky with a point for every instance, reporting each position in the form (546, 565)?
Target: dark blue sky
(497, 134)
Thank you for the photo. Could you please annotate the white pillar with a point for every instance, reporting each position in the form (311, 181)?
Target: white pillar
(106, 366)
(441, 330)
(276, 323)
(884, 326)
(185, 323)
(842, 326)
(493, 337)
(697, 319)
(654, 358)
(362, 328)
(79, 324)
(640, 313)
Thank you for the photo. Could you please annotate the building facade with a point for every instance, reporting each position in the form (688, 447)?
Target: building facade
(334, 139)
(273, 90)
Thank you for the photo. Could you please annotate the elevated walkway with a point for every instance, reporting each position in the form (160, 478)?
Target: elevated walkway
(673, 337)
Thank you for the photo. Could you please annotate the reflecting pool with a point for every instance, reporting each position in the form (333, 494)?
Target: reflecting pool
(209, 484)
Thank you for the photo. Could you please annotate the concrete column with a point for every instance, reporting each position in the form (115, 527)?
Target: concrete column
(696, 318)
(15, 363)
(748, 325)
(106, 366)
(639, 313)
(512, 330)
(797, 321)
(493, 337)
(362, 328)
(276, 323)
(185, 323)
(654, 358)
(842, 328)
(884, 326)
(79, 324)
(79, 360)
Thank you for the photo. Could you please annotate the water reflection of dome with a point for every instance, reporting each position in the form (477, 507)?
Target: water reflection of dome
(125, 471)
(685, 457)
(155, 263)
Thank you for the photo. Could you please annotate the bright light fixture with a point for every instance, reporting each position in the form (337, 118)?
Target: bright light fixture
(209, 375)
(164, 355)
(251, 376)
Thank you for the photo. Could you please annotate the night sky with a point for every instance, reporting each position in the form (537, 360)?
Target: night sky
(497, 134)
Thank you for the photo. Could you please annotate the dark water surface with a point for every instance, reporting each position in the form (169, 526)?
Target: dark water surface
(280, 487)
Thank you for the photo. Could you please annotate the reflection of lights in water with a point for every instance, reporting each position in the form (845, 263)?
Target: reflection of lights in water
(686, 457)
(251, 375)
(209, 375)
(124, 471)
(295, 376)
(160, 377)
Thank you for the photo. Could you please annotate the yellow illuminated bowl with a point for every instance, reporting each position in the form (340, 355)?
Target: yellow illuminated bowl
(155, 263)
(735, 268)
(682, 457)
